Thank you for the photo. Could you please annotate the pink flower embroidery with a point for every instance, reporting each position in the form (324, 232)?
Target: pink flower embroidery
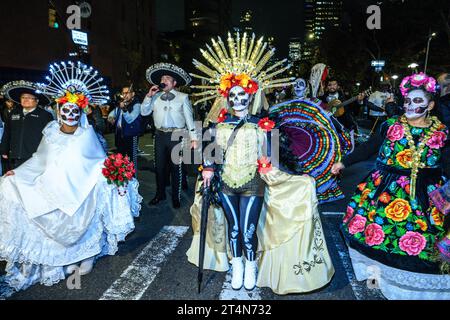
(349, 214)
(375, 175)
(374, 234)
(412, 243)
(357, 224)
(396, 132)
(437, 140)
(403, 182)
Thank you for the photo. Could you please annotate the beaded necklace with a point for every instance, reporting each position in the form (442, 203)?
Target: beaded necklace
(416, 157)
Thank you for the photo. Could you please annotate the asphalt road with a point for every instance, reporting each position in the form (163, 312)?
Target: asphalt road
(157, 248)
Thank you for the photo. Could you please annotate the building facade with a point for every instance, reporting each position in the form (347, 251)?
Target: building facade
(122, 38)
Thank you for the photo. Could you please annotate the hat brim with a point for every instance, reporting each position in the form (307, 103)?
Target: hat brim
(15, 94)
(156, 75)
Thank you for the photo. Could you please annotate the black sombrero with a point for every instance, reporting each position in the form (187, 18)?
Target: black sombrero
(13, 91)
(156, 71)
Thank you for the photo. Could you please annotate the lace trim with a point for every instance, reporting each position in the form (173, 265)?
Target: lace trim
(107, 240)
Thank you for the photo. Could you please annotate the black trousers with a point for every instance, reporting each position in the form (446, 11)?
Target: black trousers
(242, 213)
(166, 166)
(127, 146)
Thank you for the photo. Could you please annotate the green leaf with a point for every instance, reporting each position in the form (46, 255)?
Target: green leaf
(388, 229)
(423, 255)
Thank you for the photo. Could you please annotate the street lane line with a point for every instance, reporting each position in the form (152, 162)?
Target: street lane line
(333, 213)
(136, 279)
(229, 294)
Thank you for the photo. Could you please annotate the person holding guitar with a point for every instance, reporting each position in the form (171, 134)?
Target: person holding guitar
(333, 98)
(377, 105)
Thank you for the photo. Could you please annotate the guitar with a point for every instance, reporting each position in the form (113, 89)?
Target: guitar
(337, 107)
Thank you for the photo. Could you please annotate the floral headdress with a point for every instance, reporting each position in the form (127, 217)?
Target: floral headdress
(76, 98)
(418, 81)
(243, 64)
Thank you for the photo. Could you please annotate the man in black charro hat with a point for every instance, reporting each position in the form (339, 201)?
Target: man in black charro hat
(23, 128)
(172, 114)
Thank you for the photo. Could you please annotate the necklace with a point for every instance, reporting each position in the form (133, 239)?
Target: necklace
(416, 152)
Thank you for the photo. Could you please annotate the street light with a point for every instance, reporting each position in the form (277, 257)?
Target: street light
(413, 66)
(431, 36)
(394, 77)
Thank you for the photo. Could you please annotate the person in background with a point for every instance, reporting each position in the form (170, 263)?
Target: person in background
(173, 115)
(23, 129)
(124, 118)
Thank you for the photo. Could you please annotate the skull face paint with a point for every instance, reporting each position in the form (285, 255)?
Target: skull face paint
(70, 114)
(416, 104)
(238, 99)
(300, 88)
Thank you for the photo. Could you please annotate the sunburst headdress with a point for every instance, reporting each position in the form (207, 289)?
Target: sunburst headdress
(75, 83)
(243, 63)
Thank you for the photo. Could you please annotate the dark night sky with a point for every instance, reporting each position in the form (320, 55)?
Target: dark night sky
(281, 19)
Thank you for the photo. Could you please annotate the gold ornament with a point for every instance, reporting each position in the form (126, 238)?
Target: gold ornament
(416, 158)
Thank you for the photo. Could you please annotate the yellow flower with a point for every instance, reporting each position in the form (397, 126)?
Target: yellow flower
(390, 162)
(371, 215)
(244, 79)
(404, 158)
(398, 210)
(422, 224)
(364, 196)
(437, 217)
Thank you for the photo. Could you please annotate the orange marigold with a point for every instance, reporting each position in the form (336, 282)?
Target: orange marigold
(437, 217)
(404, 158)
(398, 210)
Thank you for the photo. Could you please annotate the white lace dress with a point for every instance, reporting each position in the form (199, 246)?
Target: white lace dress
(58, 209)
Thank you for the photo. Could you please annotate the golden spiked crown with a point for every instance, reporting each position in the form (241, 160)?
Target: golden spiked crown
(242, 64)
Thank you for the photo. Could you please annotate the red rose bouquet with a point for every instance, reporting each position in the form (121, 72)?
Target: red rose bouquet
(118, 170)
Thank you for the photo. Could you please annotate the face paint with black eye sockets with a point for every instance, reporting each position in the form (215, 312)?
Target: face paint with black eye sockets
(70, 114)
(416, 104)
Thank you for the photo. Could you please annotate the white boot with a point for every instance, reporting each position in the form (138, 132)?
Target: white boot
(251, 270)
(237, 273)
(86, 266)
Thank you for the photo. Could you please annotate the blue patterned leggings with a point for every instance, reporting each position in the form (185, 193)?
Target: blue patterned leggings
(242, 213)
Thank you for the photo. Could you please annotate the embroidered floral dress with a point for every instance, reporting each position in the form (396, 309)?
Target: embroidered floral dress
(382, 221)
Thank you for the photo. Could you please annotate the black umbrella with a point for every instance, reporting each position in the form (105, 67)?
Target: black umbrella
(206, 201)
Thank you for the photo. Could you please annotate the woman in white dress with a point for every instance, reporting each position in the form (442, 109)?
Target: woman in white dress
(57, 211)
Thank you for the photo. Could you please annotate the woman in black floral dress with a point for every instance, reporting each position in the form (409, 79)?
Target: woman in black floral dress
(391, 225)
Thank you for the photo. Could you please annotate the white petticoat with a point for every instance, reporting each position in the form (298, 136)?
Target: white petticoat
(37, 250)
(396, 284)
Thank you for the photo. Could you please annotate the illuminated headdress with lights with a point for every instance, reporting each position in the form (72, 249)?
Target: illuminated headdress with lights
(75, 83)
(243, 64)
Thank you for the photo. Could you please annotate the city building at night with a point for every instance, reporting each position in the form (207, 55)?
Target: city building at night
(121, 38)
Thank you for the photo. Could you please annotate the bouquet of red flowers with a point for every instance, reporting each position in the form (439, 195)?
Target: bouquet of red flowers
(119, 170)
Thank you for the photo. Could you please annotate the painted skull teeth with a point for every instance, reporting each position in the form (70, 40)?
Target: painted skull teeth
(70, 114)
(238, 98)
(416, 104)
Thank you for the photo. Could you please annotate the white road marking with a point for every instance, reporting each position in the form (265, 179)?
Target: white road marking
(333, 213)
(136, 279)
(229, 294)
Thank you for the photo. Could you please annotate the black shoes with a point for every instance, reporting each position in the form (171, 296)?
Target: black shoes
(156, 200)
